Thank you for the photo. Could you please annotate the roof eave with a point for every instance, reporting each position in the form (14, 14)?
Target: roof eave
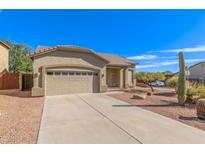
(196, 64)
(4, 44)
(65, 48)
(123, 65)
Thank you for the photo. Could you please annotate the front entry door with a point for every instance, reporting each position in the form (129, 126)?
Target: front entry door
(113, 79)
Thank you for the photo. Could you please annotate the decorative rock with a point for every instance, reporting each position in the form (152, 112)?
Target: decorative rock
(200, 108)
(149, 94)
(139, 96)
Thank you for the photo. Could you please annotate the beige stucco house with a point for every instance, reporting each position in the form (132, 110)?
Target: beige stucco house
(197, 72)
(4, 56)
(69, 69)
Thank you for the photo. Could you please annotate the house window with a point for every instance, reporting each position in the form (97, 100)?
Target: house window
(49, 73)
(84, 73)
(57, 73)
(64, 73)
(71, 73)
(90, 73)
(78, 73)
(95, 74)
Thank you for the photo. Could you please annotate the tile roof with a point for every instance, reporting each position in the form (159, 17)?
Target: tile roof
(116, 60)
(112, 59)
(4, 44)
(196, 64)
(41, 49)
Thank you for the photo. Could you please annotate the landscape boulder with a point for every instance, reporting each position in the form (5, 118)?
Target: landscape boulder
(200, 108)
(139, 96)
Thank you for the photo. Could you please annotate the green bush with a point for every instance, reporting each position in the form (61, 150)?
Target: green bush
(191, 91)
(192, 95)
(195, 92)
(172, 82)
(201, 91)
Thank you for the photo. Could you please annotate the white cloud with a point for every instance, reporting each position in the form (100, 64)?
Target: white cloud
(167, 63)
(150, 57)
(190, 49)
(143, 57)
(146, 66)
(168, 57)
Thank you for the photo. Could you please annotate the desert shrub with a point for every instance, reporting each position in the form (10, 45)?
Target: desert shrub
(149, 77)
(192, 95)
(201, 91)
(191, 91)
(172, 82)
(195, 92)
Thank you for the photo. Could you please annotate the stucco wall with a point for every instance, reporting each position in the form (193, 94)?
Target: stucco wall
(113, 77)
(128, 82)
(66, 58)
(4, 58)
(197, 71)
(125, 74)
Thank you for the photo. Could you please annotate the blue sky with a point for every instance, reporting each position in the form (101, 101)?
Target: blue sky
(150, 37)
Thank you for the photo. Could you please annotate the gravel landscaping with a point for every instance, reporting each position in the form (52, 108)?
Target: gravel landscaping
(20, 116)
(164, 102)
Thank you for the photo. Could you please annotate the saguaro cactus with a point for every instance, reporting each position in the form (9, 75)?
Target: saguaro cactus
(182, 80)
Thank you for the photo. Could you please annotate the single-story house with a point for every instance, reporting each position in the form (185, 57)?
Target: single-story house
(4, 56)
(70, 69)
(197, 72)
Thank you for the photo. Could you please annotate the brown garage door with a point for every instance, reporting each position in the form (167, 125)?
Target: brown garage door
(71, 82)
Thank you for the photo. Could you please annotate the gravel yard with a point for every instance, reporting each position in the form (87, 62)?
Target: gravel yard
(20, 116)
(164, 103)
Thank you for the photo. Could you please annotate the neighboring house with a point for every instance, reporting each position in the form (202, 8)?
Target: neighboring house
(197, 72)
(4, 56)
(69, 69)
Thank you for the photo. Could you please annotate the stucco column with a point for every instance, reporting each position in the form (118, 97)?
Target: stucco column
(134, 77)
(35, 80)
(126, 78)
(102, 78)
(121, 77)
(43, 79)
(36, 90)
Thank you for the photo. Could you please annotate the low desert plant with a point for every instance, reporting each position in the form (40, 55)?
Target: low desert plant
(172, 82)
(149, 77)
(191, 91)
(192, 95)
(201, 91)
(195, 92)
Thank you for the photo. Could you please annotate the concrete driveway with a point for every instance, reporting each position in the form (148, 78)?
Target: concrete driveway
(97, 118)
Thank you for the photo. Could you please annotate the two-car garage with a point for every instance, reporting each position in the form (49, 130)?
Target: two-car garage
(59, 82)
(62, 70)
